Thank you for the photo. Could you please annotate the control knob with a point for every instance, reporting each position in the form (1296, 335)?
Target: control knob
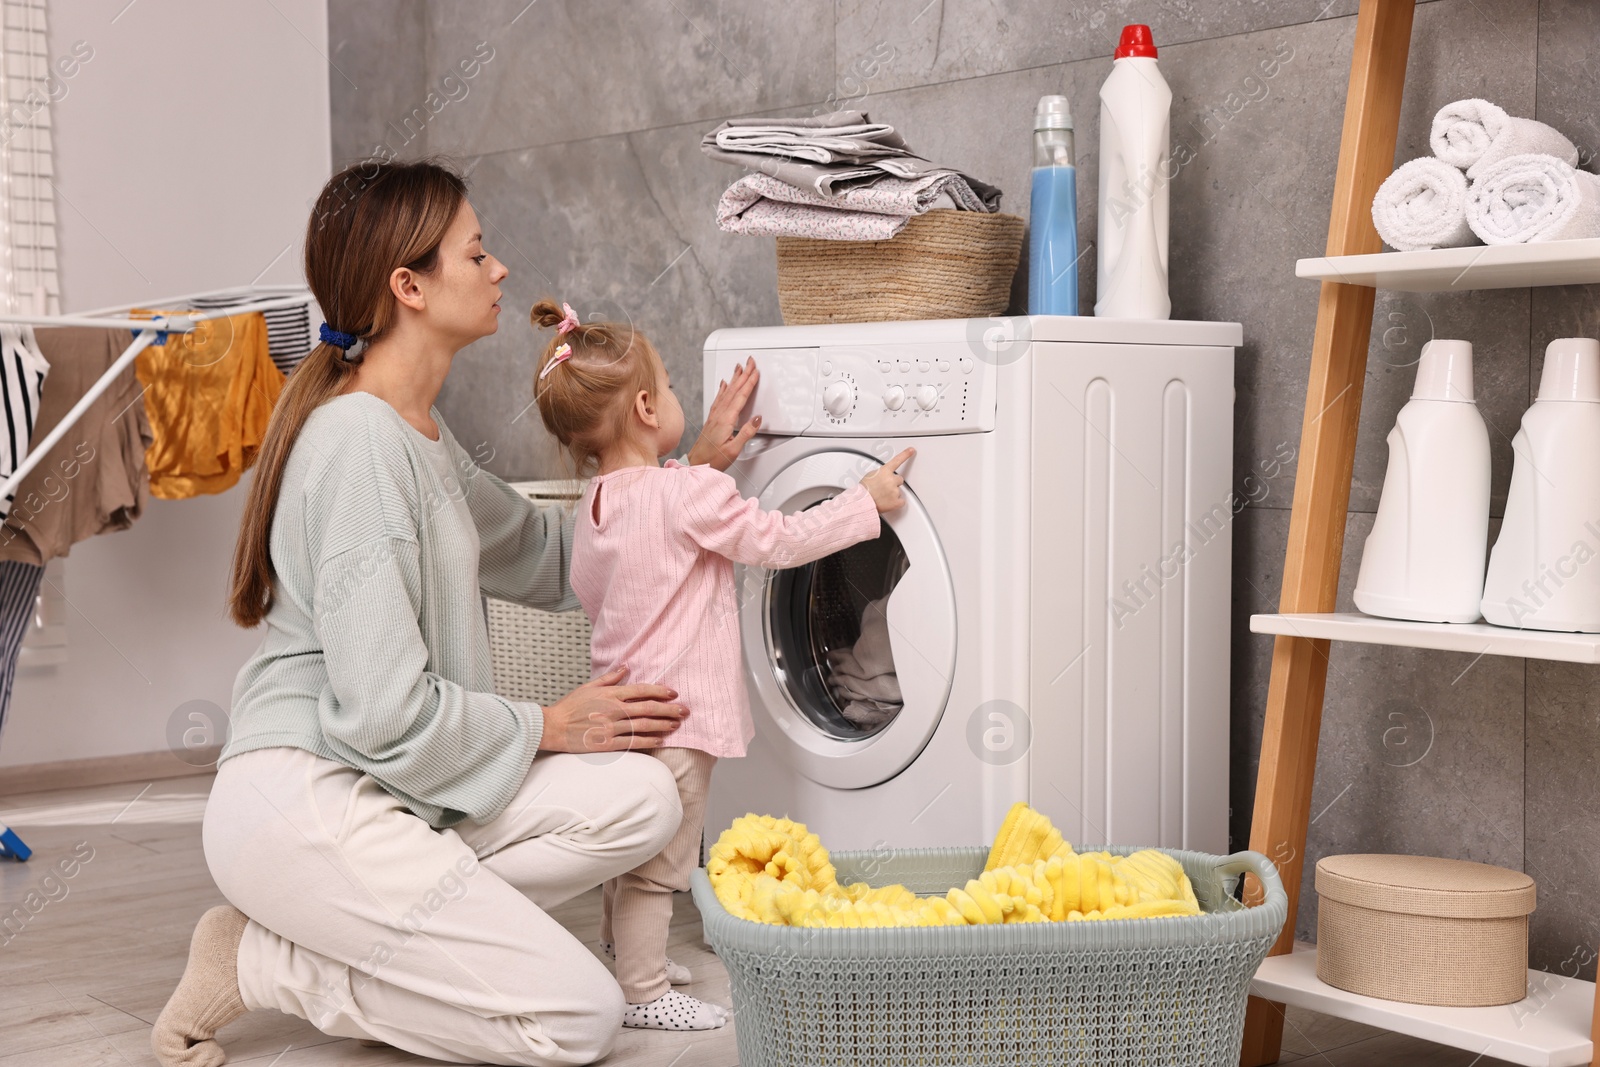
(926, 396)
(838, 398)
(894, 397)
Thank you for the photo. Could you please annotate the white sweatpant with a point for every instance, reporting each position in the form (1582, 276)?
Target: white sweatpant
(368, 922)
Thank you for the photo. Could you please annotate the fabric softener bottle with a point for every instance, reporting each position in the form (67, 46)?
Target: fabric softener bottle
(1053, 213)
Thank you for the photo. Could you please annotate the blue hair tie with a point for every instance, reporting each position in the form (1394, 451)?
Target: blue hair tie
(336, 338)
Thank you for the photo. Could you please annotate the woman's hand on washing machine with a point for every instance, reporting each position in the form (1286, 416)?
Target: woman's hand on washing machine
(603, 716)
(718, 444)
(884, 483)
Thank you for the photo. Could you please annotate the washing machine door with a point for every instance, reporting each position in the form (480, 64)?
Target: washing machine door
(850, 657)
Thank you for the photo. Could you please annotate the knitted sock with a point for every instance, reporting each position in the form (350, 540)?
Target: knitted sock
(207, 997)
(674, 1011)
(677, 973)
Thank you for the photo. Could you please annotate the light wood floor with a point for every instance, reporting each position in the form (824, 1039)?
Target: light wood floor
(83, 979)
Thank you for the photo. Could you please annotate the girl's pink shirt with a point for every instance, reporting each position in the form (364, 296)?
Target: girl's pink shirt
(655, 577)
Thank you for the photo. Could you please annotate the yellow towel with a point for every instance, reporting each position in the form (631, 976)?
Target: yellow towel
(775, 871)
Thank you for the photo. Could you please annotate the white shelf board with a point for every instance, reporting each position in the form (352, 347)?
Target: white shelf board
(1437, 270)
(1548, 1029)
(1478, 638)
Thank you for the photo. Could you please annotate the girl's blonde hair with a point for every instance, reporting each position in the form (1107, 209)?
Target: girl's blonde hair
(585, 399)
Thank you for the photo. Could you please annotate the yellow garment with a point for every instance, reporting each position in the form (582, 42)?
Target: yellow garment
(775, 871)
(209, 395)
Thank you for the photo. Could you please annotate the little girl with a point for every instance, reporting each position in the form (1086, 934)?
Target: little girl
(650, 565)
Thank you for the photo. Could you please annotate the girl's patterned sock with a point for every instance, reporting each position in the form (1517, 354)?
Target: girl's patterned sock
(674, 1011)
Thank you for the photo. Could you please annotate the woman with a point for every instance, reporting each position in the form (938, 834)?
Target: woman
(379, 820)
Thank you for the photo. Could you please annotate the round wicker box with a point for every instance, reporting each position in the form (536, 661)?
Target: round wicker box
(944, 265)
(1423, 930)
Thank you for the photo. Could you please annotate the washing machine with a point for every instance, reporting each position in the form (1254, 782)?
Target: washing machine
(1047, 618)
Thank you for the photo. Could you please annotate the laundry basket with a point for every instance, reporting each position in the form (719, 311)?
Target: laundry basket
(538, 655)
(1162, 992)
(943, 265)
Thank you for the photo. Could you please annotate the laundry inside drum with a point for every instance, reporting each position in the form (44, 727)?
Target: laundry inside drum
(829, 636)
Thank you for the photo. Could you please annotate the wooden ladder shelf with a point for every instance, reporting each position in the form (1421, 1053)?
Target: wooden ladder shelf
(1310, 580)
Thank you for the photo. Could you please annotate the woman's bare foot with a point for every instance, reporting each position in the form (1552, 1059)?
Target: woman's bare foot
(207, 997)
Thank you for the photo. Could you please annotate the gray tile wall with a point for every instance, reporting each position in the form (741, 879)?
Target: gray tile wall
(581, 133)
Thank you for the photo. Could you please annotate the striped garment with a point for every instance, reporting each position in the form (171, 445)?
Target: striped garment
(654, 575)
(288, 329)
(19, 594)
(23, 369)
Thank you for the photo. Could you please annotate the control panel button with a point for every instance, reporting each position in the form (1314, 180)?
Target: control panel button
(943, 365)
(885, 366)
(967, 363)
(926, 396)
(827, 369)
(838, 398)
(904, 366)
(894, 398)
(923, 366)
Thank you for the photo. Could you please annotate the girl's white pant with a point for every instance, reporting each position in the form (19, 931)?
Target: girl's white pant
(367, 922)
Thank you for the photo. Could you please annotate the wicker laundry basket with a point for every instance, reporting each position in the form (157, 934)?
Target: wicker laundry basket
(944, 265)
(538, 655)
(1165, 992)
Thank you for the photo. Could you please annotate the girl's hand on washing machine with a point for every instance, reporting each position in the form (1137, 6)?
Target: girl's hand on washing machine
(718, 445)
(884, 483)
(602, 716)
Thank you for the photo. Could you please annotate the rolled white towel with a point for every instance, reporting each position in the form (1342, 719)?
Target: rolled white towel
(1533, 198)
(1423, 204)
(1474, 134)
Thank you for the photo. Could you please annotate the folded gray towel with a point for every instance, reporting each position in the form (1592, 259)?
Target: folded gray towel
(820, 140)
(783, 150)
(766, 207)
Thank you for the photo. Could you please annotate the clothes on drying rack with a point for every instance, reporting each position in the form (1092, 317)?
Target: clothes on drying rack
(92, 481)
(288, 329)
(209, 395)
(23, 369)
(19, 593)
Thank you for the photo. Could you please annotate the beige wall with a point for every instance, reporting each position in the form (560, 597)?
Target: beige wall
(188, 150)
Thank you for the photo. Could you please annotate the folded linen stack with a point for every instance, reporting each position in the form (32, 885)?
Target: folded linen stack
(838, 177)
(1524, 185)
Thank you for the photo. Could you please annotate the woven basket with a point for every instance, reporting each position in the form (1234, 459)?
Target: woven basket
(1423, 930)
(944, 265)
(1166, 992)
(538, 655)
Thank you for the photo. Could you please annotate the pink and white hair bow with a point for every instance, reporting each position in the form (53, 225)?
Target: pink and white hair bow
(569, 323)
(561, 354)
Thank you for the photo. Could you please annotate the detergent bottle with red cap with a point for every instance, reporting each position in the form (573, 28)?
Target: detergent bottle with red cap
(1135, 170)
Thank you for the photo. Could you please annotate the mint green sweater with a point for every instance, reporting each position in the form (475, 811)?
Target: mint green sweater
(376, 652)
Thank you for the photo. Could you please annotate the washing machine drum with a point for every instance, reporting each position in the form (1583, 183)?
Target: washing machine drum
(850, 657)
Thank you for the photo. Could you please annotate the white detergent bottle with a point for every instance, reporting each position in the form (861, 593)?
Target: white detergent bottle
(1423, 559)
(1544, 572)
(1135, 121)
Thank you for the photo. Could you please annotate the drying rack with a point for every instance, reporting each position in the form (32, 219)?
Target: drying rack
(1558, 1024)
(146, 332)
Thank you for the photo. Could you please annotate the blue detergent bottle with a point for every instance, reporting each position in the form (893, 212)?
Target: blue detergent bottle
(1053, 213)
